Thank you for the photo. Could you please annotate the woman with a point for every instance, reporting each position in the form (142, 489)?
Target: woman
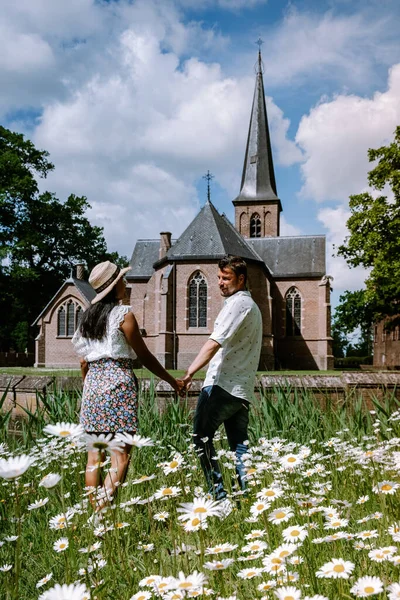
(108, 340)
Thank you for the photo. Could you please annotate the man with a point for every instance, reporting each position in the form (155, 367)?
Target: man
(233, 351)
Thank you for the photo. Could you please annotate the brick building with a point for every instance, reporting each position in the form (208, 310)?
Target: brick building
(386, 345)
(174, 292)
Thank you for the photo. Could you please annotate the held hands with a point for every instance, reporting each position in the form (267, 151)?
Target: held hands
(183, 385)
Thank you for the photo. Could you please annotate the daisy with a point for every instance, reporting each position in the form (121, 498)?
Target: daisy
(266, 585)
(274, 567)
(367, 586)
(103, 442)
(368, 534)
(134, 440)
(270, 493)
(290, 461)
(44, 580)
(60, 521)
(219, 565)
(226, 547)
(38, 504)
(255, 534)
(394, 591)
(337, 568)
(296, 533)
(362, 500)
(13, 467)
(336, 523)
(163, 584)
(61, 544)
(50, 480)
(142, 479)
(6, 568)
(202, 507)
(386, 487)
(193, 581)
(316, 597)
(149, 581)
(161, 516)
(258, 546)
(64, 430)
(73, 591)
(249, 573)
(167, 492)
(172, 466)
(141, 596)
(394, 531)
(194, 523)
(281, 515)
(283, 551)
(259, 507)
(287, 593)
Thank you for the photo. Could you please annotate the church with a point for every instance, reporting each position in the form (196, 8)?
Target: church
(173, 283)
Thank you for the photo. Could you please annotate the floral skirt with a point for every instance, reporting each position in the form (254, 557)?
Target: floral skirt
(109, 401)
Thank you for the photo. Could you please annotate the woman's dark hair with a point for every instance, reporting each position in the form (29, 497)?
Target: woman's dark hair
(93, 323)
(236, 264)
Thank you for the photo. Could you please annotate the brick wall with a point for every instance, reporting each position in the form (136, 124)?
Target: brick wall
(269, 217)
(386, 346)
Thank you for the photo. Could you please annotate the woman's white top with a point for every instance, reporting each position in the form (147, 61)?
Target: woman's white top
(112, 345)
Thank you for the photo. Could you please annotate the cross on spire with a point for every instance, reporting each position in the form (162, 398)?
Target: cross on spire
(208, 177)
(259, 66)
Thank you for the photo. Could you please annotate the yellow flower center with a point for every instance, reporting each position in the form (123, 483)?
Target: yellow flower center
(386, 487)
(369, 589)
(295, 532)
(276, 561)
(173, 464)
(200, 509)
(185, 585)
(260, 506)
(336, 524)
(270, 493)
(251, 573)
(251, 471)
(284, 553)
(218, 549)
(195, 522)
(166, 492)
(338, 568)
(291, 459)
(288, 598)
(280, 515)
(219, 566)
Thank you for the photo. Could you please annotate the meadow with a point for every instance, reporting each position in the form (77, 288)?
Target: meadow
(321, 519)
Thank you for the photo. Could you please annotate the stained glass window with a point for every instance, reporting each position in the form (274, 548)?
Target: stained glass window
(255, 226)
(70, 319)
(293, 312)
(61, 321)
(198, 301)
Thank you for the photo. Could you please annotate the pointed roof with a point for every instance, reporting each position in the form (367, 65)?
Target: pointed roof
(258, 178)
(209, 236)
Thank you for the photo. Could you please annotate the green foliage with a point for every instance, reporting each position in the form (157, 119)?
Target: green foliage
(353, 312)
(374, 227)
(41, 238)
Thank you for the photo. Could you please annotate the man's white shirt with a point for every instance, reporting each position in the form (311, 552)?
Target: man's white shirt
(238, 329)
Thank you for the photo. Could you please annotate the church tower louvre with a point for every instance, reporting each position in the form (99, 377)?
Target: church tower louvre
(257, 207)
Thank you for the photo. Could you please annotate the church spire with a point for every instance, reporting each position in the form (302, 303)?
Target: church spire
(258, 186)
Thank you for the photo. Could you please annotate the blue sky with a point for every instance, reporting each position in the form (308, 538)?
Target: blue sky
(136, 100)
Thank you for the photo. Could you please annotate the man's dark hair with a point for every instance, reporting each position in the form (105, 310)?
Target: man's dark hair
(236, 263)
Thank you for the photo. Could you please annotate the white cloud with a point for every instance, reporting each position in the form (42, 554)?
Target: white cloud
(312, 47)
(288, 229)
(287, 151)
(336, 135)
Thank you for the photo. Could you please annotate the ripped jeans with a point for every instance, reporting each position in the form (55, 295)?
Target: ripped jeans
(214, 407)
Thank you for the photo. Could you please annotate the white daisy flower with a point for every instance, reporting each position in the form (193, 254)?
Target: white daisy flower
(296, 533)
(50, 480)
(287, 593)
(337, 568)
(134, 440)
(64, 430)
(74, 591)
(141, 596)
(15, 466)
(44, 580)
(61, 544)
(394, 591)
(219, 565)
(249, 573)
(38, 504)
(291, 461)
(386, 487)
(281, 515)
(167, 492)
(6, 567)
(202, 507)
(193, 581)
(367, 586)
(161, 516)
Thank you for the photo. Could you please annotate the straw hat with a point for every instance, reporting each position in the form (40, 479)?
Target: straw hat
(104, 277)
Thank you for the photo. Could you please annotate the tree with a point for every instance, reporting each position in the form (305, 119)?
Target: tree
(41, 239)
(353, 313)
(374, 226)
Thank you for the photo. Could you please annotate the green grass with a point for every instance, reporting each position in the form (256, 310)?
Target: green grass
(339, 465)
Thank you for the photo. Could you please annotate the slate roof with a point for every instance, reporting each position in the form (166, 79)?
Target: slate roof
(144, 255)
(210, 236)
(258, 177)
(82, 286)
(300, 256)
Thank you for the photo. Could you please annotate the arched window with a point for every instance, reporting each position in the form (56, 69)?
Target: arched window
(78, 314)
(255, 226)
(198, 301)
(70, 319)
(293, 312)
(61, 321)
